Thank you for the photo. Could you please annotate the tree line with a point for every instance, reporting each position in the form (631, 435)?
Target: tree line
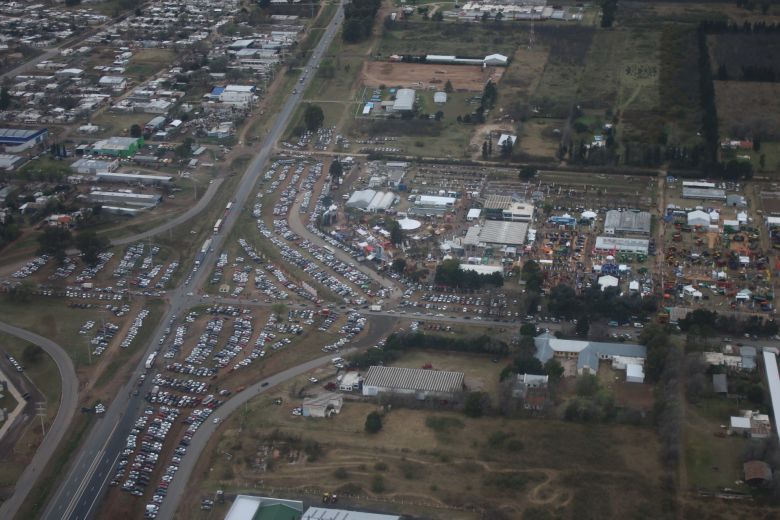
(450, 274)
(359, 16)
(398, 343)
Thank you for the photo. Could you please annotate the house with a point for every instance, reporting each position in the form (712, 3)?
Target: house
(748, 355)
(115, 83)
(588, 354)
(323, 405)
(757, 472)
(532, 390)
(417, 382)
(751, 424)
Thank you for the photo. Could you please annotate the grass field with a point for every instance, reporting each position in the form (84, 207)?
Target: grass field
(118, 124)
(145, 63)
(425, 137)
(747, 108)
(444, 464)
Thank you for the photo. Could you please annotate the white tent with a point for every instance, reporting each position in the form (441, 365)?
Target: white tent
(698, 218)
(607, 281)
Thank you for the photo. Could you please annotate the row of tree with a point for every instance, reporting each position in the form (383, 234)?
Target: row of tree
(398, 343)
(55, 242)
(359, 16)
(450, 274)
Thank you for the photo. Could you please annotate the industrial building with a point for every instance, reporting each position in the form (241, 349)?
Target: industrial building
(93, 166)
(689, 192)
(133, 199)
(417, 382)
(622, 245)
(627, 222)
(430, 205)
(16, 140)
(496, 233)
(404, 100)
(118, 146)
(247, 507)
(140, 178)
(322, 513)
(10, 162)
(371, 201)
(588, 354)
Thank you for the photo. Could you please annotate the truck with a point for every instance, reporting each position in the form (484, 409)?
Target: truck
(375, 308)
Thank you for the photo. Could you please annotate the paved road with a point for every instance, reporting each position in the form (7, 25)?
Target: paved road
(379, 328)
(65, 412)
(188, 215)
(85, 482)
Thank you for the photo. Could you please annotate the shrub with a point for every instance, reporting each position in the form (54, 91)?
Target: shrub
(378, 484)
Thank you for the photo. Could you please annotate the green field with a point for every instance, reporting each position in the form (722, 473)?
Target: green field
(145, 63)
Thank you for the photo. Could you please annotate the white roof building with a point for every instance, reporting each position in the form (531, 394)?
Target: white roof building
(404, 100)
(698, 218)
(607, 281)
(440, 98)
(495, 60)
(504, 137)
(473, 214)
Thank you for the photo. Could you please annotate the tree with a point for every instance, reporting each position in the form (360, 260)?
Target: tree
(527, 173)
(448, 87)
(279, 309)
(5, 98)
(373, 422)
(528, 330)
(184, 150)
(525, 364)
(475, 404)
(608, 10)
(398, 265)
(54, 241)
(336, 170)
(136, 130)
(583, 326)
(71, 3)
(553, 368)
(532, 276)
(313, 117)
(587, 385)
(396, 233)
(484, 150)
(506, 148)
(489, 95)
(91, 245)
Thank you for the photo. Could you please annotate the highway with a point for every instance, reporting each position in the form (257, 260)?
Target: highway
(193, 211)
(65, 412)
(84, 485)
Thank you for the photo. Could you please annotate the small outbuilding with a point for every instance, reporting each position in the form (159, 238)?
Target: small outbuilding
(757, 472)
(323, 405)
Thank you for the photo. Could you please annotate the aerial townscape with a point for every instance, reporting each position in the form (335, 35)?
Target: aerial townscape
(389, 259)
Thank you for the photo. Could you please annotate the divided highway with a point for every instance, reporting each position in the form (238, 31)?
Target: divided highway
(65, 412)
(85, 482)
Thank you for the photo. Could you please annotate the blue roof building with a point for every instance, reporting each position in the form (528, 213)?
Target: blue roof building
(16, 140)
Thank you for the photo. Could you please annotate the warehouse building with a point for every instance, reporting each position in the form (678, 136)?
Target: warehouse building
(496, 233)
(417, 382)
(432, 205)
(371, 201)
(94, 166)
(622, 245)
(689, 192)
(322, 513)
(16, 140)
(10, 162)
(118, 146)
(627, 222)
(404, 100)
(248, 507)
(139, 178)
(133, 199)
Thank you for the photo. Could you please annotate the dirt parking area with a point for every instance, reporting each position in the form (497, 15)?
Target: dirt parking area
(424, 75)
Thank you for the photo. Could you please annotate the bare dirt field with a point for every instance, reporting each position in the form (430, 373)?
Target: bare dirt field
(746, 108)
(463, 77)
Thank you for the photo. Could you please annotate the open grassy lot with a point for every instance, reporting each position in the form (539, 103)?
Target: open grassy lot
(444, 464)
(145, 63)
(425, 137)
(748, 109)
(461, 39)
(732, 53)
(118, 124)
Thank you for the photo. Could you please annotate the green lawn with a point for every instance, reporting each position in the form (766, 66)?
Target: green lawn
(147, 62)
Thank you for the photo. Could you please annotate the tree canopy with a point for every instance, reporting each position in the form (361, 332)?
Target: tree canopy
(313, 117)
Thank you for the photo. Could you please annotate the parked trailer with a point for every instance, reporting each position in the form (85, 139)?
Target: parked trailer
(206, 245)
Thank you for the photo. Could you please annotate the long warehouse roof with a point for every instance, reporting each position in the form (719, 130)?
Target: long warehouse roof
(414, 379)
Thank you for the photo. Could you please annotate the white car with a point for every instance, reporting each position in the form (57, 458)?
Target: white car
(313, 380)
(217, 420)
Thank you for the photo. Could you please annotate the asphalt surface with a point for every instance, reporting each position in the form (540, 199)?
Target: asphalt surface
(85, 482)
(202, 204)
(65, 412)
